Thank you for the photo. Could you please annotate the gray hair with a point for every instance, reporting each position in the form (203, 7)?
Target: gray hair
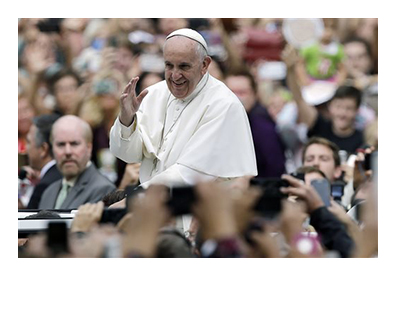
(201, 52)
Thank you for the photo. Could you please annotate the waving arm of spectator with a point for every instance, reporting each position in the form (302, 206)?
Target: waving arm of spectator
(234, 59)
(307, 114)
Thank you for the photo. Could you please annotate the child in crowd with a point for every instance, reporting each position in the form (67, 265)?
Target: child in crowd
(323, 60)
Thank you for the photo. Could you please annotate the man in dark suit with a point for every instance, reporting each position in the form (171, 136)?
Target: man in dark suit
(71, 140)
(41, 157)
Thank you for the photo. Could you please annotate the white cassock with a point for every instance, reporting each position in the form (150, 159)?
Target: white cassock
(204, 136)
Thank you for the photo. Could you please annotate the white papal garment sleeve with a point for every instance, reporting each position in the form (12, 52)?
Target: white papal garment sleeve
(126, 142)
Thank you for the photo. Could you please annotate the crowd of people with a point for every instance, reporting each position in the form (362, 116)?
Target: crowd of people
(312, 111)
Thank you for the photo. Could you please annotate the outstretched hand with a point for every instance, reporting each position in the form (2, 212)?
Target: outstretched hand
(130, 103)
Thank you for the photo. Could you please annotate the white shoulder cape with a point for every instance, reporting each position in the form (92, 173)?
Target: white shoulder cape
(212, 135)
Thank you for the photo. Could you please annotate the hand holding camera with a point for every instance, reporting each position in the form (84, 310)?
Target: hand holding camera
(306, 192)
(363, 169)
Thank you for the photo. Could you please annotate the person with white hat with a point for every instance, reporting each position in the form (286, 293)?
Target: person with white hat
(185, 129)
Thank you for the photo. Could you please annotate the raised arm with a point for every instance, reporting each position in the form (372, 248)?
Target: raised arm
(130, 103)
(307, 114)
(124, 143)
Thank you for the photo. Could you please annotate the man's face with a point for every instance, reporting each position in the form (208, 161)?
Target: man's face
(343, 113)
(33, 151)
(241, 87)
(321, 157)
(183, 68)
(357, 59)
(71, 150)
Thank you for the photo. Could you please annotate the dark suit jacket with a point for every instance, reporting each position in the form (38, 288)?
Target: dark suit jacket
(90, 187)
(332, 232)
(49, 177)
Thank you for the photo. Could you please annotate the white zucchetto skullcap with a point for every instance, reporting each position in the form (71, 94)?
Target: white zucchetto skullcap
(191, 34)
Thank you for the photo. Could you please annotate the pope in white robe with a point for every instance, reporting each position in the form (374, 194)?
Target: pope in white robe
(187, 128)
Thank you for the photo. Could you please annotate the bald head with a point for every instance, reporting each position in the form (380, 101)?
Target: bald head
(75, 123)
(71, 139)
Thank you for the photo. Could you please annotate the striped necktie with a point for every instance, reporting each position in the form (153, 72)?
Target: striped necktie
(62, 195)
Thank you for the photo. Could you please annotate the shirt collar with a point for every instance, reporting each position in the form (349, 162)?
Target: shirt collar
(70, 182)
(46, 167)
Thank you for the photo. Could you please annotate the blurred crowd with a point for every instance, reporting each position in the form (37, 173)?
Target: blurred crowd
(313, 112)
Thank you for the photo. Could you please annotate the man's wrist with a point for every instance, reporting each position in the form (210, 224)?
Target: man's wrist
(125, 122)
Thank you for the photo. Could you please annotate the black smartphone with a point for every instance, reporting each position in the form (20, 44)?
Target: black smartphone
(270, 202)
(322, 186)
(179, 202)
(370, 160)
(181, 199)
(299, 176)
(113, 215)
(271, 186)
(367, 161)
(337, 190)
(57, 237)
